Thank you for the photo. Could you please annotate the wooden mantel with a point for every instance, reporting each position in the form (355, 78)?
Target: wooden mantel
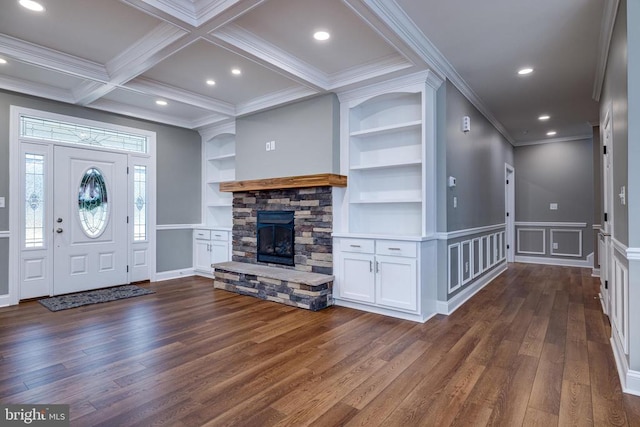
(318, 180)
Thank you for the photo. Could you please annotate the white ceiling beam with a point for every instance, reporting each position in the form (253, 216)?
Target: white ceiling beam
(274, 99)
(365, 72)
(250, 46)
(35, 89)
(604, 43)
(30, 53)
(149, 86)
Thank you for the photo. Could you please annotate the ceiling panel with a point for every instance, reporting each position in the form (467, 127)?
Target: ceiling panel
(290, 25)
(191, 67)
(96, 30)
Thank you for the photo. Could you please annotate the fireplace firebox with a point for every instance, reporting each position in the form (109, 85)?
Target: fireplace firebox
(275, 237)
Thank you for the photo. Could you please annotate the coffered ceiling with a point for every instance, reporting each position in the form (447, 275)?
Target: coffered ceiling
(123, 56)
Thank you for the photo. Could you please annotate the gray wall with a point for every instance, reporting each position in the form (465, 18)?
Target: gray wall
(307, 136)
(477, 161)
(178, 169)
(614, 96)
(561, 173)
(175, 250)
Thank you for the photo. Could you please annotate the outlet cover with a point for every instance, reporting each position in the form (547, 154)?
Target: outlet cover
(553, 206)
(555, 245)
(1, 202)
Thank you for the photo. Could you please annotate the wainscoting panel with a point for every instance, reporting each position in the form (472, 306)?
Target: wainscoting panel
(477, 257)
(454, 267)
(620, 302)
(566, 242)
(531, 241)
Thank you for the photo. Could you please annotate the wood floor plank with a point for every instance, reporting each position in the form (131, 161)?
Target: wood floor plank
(531, 348)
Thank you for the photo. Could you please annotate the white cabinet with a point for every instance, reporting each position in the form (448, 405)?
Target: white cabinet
(379, 273)
(210, 246)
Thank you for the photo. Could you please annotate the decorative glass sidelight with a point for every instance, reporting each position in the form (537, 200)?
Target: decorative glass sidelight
(34, 208)
(139, 203)
(93, 203)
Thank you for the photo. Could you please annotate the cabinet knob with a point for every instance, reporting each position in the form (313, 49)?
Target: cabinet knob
(370, 266)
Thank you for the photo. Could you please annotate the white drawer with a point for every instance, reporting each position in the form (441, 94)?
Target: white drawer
(222, 236)
(357, 245)
(396, 248)
(202, 234)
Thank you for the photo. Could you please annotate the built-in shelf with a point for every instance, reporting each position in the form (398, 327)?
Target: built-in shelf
(416, 162)
(381, 130)
(380, 201)
(218, 167)
(222, 157)
(221, 203)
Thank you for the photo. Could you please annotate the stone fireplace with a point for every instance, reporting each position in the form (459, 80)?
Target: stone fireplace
(313, 224)
(270, 204)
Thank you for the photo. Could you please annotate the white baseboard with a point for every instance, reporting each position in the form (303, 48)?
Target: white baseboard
(5, 301)
(384, 311)
(629, 379)
(174, 274)
(583, 263)
(595, 272)
(448, 307)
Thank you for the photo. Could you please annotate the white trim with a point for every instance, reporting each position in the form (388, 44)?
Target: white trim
(595, 272)
(174, 274)
(629, 379)
(604, 44)
(633, 254)
(399, 84)
(274, 99)
(554, 261)
(458, 284)
(544, 241)
(469, 243)
(621, 247)
(384, 311)
(448, 307)
(553, 140)
(551, 249)
(550, 224)
(5, 234)
(162, 227)
(510, 207)
(480, 254)
(5, 300)
(468, 232)
(596, 227)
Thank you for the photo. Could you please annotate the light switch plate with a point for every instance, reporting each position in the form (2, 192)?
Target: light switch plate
(1, 202)
(553, 206)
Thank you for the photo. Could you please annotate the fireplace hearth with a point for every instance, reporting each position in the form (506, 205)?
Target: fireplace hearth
(275, 237)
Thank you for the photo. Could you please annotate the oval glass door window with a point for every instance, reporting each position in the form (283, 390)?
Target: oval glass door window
(93, 203)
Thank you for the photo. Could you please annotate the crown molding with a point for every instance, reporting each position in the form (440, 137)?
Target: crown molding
(274, 99)
(397, 84)
(52, 59)
(36, 89)
(552, 140)
(184, 10)
(244, 42)
(140, 113)
(380, 67)
(395, 18)
(604, 44)
(89, 91)
(155, 88)
(209, 131)
(209, 120)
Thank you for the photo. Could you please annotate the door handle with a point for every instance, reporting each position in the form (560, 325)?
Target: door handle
(58, 230)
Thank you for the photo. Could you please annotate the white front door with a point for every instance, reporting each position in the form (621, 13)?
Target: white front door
(90, 219)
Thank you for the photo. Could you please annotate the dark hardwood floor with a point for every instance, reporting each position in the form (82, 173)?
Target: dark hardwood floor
(532, 348)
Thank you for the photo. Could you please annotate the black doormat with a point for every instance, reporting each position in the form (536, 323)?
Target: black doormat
(64, 302)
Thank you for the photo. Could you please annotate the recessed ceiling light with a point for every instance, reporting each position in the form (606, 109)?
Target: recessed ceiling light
(211, 82)
(161, 102)
(3, 61)
(544, 117)
(551, 133)
(321, 35)
(236, 71)
(525, 71)
(31, 5)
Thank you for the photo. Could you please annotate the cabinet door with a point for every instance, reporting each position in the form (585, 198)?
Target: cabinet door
(202, 255)
(397, 280)
(219, 251)
(357, 279)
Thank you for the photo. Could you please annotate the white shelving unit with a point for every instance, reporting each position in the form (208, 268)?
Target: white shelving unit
(219, 166)
(385, 237)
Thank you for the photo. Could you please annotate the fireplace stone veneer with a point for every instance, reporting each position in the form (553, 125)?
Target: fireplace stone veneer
(313, 222)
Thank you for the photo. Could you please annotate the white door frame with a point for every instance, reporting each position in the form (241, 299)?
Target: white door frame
(510, 208)
(606, 259)
(15, 143)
